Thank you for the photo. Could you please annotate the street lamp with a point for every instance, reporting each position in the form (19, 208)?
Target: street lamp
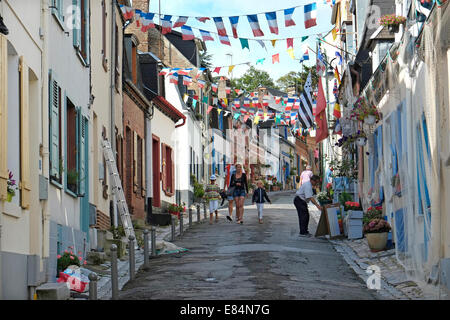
(330, 72)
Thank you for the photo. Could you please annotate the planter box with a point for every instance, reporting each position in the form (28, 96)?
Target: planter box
(352, 214)
(353, 228)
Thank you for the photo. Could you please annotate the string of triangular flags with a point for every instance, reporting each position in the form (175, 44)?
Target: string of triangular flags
(144, 20)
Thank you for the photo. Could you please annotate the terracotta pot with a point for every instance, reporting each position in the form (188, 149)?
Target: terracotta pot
(377, 241)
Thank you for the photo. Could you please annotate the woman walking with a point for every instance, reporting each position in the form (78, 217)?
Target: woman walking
(239, 183)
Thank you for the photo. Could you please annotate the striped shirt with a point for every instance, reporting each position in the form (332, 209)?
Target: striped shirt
(212, 192)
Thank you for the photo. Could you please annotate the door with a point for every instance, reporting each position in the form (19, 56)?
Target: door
(156, 171)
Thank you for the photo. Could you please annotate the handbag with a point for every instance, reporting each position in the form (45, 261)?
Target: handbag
(230, 191)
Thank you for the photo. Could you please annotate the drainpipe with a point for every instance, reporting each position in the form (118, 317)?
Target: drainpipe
(113, 110)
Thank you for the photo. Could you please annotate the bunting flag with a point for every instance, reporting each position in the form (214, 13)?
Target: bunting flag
(305, 55)
(334, 33)
(288, 17)
(273, 42)
(230, 69)
(336, 75)
(244, 43)
(289, 104)
(304, 38)
(237, 103)
(272, 21)
(305, 111)
(291, 53)
(238, 91)
(276, 58)
(194, 103)
(147, 21)
(220, 26)
(234, 21)
(209, 109)
(174, 78)
(246, 102)
(186, 98)
(228, 91)
(199, 72)
(127, 12)
(214, 87)
(237, 115)
(202, 19)
(320, 66)
(206, 36)
(180, 22)
(185, 72)
(277, 100)
(260, 60)
(256, 120)
(262, 44)
(205, 99)
(296, 105)
(290, 42)
(164, 71)
(217, 70)
(187, 80)
(201, 84)
(138, 15)
(246, 118)
(321, 117)
(310, 15)
(254, 24)
(337, 111)
(224, 40)
(187, 33)
(173, 70)
(166, 24)
(339, 56)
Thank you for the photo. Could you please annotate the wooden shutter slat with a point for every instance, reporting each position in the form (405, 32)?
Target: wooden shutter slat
(54, 127)
(143, 169)
(163, 167)
(3, 118)
(135, 173)
(25, 186)
(172, 188)
(81, 153)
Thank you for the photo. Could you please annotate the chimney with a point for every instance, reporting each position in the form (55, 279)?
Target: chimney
(142, 5)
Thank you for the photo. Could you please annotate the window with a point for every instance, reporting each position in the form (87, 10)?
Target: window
(81, 28)
(168, 178)
(139, 166)
(71, 147)
(133, 63)
(117, 59)
(57, 10)
(104, 15)
(55, 130)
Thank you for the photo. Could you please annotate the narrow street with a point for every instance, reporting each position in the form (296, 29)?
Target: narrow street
(250, 261)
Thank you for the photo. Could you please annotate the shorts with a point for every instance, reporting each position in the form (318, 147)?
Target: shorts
(239, 193)
(230, 198)
(213, 205)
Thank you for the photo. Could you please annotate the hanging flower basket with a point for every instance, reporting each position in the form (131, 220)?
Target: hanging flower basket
(392, 21)
(361, 141)
(370, 119)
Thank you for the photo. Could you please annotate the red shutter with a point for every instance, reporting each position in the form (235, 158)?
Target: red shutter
(163, 166)
(172, 188)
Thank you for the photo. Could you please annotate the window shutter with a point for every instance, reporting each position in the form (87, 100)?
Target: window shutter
(25, 185)
(163, 167)
(81, 152)
(3, 117)
(54, 127)
(143, 168)
(135, 159)
(76, 12)
(86, 29)
(172, 187)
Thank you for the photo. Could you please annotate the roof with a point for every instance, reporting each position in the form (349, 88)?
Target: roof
(168, 109)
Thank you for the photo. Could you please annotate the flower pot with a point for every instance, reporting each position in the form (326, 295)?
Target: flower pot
(370, 119)
(393, 28)
(9, 197)
(324, 202)
(377, 241)
(361, 141)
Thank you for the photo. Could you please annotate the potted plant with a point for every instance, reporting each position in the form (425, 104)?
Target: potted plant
(174, 209)
(11, 186)
(373, 213)
(376, 232)
(324, 198)
(72, 180)
(361, 138)
(354, 210)
(362, 111)
(68, 258)
(392, 21)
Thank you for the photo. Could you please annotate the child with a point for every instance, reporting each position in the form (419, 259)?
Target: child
(212, 195)
(258, 196)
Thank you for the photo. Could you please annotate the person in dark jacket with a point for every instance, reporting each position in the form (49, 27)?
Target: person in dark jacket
(239, 183)
(258, 196)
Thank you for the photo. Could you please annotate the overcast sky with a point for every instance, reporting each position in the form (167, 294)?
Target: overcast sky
(226, 8)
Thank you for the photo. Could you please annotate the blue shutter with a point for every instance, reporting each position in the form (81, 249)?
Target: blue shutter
(86, 26)
(81, 152)
(54, 126)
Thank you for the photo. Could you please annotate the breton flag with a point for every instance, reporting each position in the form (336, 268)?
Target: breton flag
(310, 15)
(166, 24)
(234, 21)
(185, 72)
(224, 40)
(164, 71)
(147, 21)
(127, 12)
(201, 83)
(272, 21)
(288, 17)
(187, 80)
(187, 33)
(254, 24)
(305, 111)
(206, 36)
(180, 22)
(220, 26)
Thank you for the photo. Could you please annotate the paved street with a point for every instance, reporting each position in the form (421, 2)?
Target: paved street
(250, 261)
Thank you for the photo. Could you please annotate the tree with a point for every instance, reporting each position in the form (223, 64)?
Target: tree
(253, 79)
(205, 59)
(297, 79)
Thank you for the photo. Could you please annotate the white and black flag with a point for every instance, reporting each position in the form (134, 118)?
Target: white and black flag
(305, 112)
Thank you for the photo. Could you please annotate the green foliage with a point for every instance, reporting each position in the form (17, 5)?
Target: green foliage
(199, 190)
(253, 79)
(68, 259)
(344, 197)
(118, 232)
(205, 59)
(297, 79)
